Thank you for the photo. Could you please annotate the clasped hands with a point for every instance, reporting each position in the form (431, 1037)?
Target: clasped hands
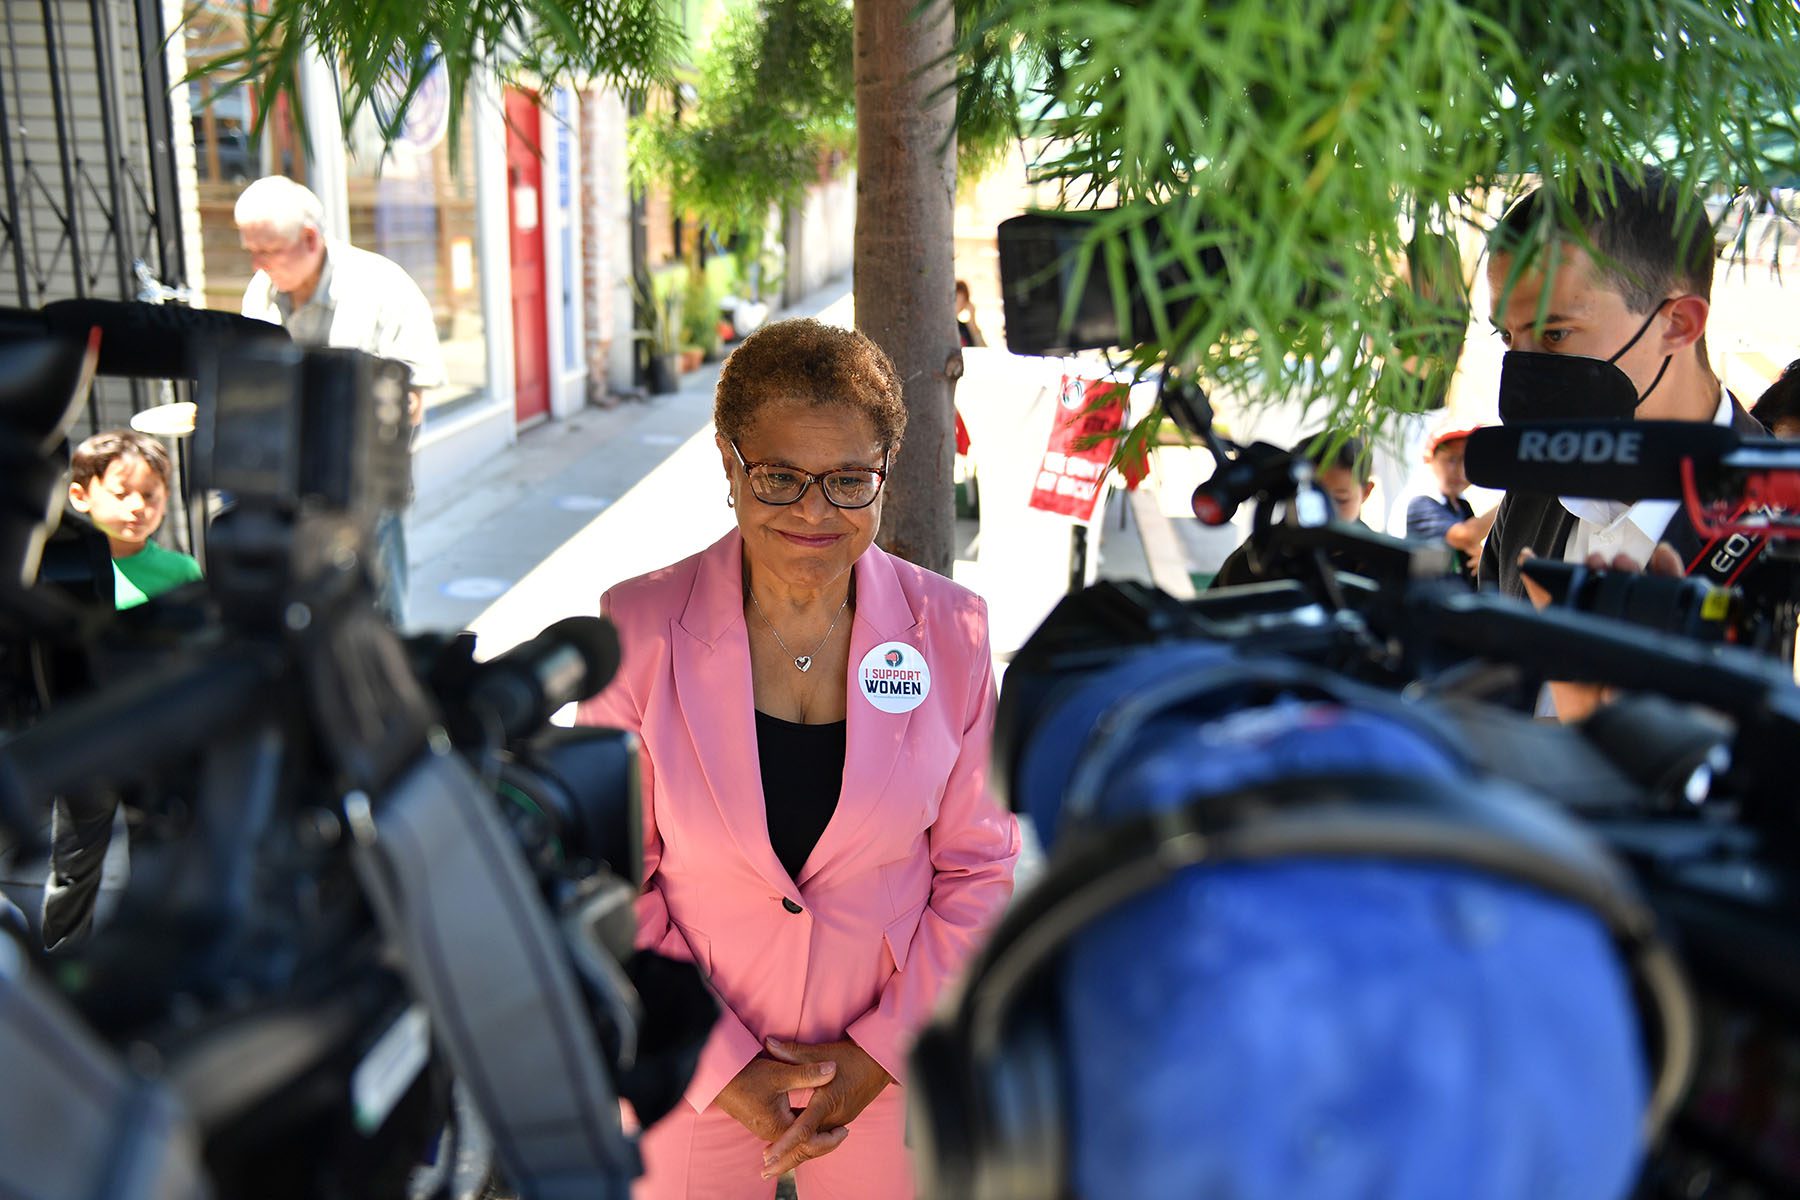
(844, 1080)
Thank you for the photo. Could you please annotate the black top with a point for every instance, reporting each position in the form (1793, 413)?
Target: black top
(802, 774)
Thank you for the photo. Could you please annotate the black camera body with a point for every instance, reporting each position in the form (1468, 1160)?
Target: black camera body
(1683, 787)
(1741, 495)
(311, 445)
(334, 912)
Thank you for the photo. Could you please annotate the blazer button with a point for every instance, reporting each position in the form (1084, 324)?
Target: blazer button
(790, 905)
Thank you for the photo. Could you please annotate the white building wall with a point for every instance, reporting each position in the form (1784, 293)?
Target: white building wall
(606, 245)
(820, 237)
(564, 295)
(447, 452)
(187, 170)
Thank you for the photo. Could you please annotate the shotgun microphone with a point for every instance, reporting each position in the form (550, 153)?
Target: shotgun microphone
(150, 341)
(568, 662)
(1603, 460)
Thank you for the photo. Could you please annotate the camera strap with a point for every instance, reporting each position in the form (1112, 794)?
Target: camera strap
(452, 892)
(74, 1122)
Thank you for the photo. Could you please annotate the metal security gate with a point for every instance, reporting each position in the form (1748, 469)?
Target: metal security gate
(87, 164)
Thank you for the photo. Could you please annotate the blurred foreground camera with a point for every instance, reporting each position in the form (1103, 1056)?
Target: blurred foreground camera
(355, 955)
(1326, 913)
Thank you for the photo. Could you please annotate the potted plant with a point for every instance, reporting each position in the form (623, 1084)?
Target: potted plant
(662, 335)
(700, 320)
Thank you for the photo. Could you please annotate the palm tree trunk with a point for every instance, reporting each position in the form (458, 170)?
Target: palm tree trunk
(905, 197)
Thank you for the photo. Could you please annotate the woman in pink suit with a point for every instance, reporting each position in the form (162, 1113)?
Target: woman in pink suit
(815, 717)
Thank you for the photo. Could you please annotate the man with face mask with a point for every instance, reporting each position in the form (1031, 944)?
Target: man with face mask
(1602, 305)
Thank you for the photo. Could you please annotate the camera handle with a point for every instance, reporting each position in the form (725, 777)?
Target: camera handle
(451, 891)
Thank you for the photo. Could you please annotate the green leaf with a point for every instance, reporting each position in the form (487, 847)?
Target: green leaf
(1306, 139)
(385, 49)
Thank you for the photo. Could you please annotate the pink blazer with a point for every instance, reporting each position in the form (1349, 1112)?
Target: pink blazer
(914, 865)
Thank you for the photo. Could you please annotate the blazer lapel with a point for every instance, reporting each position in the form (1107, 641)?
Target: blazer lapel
(710, 653)
(873, 738)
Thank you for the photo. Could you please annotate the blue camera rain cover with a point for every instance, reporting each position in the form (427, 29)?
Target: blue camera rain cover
(1336, 1029)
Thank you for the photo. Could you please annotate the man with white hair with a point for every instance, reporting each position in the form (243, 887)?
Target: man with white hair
(326, 292)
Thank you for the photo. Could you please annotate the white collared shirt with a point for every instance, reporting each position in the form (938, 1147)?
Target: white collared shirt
(1611, 527)
(362, 302)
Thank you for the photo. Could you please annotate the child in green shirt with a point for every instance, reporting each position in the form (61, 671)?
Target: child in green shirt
(120, 479)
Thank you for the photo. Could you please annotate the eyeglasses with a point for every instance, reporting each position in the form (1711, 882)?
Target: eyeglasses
(780, 484)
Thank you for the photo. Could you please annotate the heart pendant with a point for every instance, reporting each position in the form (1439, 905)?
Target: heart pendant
(804, 662)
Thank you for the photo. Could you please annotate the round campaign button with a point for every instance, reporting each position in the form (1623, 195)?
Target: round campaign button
(894, 677)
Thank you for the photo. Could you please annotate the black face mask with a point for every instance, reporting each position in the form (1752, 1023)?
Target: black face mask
(1571, 387)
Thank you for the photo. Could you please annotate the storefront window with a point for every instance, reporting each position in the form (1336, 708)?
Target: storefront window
(418, 209)
(407, 203)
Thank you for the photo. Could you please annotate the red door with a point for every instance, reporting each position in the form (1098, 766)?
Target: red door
(525, 205)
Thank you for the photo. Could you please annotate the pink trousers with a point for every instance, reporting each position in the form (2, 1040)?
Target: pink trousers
(709, 1156)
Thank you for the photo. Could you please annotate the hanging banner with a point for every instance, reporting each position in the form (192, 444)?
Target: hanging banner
(1073, 469)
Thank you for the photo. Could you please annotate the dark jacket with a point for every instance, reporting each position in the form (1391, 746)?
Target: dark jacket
(1236, 571)
(1543, 525)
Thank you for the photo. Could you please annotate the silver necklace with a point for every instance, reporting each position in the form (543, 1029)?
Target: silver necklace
(801, 661)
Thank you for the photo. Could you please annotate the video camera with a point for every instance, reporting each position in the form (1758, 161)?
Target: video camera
(376, 918)
(1742, 495)
(1326, 913)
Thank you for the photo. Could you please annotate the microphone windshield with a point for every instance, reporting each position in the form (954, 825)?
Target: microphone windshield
(595, 639)
(151, 341)
(1602, 460)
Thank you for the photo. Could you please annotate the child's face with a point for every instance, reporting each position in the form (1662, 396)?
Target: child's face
(126, 503)
(1346, 491)
(1447, 465)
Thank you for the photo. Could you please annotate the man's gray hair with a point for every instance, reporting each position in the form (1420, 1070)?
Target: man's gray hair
(278, 201)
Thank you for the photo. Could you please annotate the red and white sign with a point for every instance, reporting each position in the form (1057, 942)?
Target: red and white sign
(1074, 463)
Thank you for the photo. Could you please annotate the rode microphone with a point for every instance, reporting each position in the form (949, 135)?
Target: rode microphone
(520, 690)
(1731, 485)
(1604, 460)
(150, 341)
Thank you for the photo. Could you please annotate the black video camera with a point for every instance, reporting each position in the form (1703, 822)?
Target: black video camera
(1667, 821)
(1741, 497)
(376, 919)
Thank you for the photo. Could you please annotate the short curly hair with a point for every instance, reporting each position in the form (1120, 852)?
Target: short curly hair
(809, 362)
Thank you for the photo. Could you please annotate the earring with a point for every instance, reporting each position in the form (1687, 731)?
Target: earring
(730, 500)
